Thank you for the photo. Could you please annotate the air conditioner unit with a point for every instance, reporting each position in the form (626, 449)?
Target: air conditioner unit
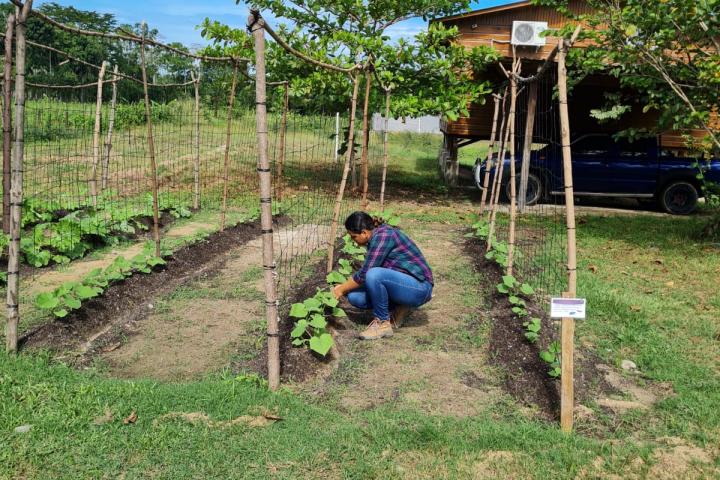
(528, 34)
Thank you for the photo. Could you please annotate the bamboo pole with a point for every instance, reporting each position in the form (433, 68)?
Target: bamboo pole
(7, 122)
(343, 180)
(501, 138)
(256, 24)
(513, 199)
(488, 163)
(228, 131)
(499, 170)
(111, 126)
(151, 147)
(337, 134)
(567, 393)
(96, 135)
(366, 141)
(16, 182)
(283, 133)
(527, 147)
(196, 140)
(385, 149)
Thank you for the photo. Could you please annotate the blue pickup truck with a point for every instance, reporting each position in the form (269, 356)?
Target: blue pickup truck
(604, 167)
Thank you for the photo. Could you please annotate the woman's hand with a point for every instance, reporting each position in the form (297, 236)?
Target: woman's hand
(338, 291)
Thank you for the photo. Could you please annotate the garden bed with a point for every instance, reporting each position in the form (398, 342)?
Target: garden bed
(526, 375)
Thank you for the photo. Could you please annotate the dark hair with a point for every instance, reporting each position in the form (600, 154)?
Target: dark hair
(356, 222)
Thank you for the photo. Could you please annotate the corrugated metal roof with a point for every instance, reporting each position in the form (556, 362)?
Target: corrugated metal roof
(484, 11)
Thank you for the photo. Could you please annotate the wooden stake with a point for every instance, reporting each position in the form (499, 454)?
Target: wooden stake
(501, 138)
(527, 147)
(255, 22)
(337, 134)
(283, 133)
(7, 122)
(228, 130)
(343, 180)
(16, 182)
(385, 150)
(111, 126)
(196, 141)
(96, 135)
(366, 141)
(567, 400)
(511, 232)
(488, 163)
(498, 185)
(151, 147)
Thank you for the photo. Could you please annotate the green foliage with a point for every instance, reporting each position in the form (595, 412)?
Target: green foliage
(352, 249)
(552, 357)
(481, 230)
(70, 295)
(499, 253)
(311, 321)
(532, 328)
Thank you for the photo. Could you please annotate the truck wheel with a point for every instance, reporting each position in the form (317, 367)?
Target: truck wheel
(534, 189)
(679, 198)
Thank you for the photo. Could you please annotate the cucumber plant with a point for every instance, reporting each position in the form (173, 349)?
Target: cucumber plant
(532, 329)
(311, 321)
(552, 357)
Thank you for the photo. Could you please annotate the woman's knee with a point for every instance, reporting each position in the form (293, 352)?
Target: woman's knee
(374, 275)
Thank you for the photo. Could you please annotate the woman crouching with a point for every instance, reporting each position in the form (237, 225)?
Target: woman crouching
(394, 278)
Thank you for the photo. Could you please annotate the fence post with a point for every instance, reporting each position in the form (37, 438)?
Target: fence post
(567, 399)
(366, 141)
(16, 183)
(488, 163)
(228, 131)
(151, 146)
(527, 147)
(7, 122)
(337, 134)
(385, 149)
(111, 126)
(283, 132)
(96, 134)
(343, 180)
(196, 140)
(255, 23)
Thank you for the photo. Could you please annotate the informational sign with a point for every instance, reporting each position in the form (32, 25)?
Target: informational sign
(567, 308)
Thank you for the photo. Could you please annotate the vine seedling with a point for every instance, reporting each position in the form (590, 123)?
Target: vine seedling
(552, 357)
(311, 321)
(532, 328)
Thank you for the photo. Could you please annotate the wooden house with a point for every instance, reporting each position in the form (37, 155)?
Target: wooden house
(494, 27)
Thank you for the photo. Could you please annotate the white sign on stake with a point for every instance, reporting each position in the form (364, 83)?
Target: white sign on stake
(567, 308)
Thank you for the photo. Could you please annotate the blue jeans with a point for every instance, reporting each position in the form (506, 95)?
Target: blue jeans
(385, 288)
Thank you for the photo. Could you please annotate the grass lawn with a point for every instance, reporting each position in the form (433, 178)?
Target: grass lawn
(649, 282)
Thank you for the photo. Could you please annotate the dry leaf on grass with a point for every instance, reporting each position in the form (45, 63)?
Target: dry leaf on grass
(593, 268)
(635, 308)
(670, 284)
(132, 418)
(106, 417)
(110, 348)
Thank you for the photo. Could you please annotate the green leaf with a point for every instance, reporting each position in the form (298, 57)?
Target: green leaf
(555, 372)
(300, 329)
(318, 321)
(73, 303)
(84, 292)
(339, 312)
(526, 289)
(298, 341)
(299, 310)
(313, 304)
(547, 356)
(335, 277)
(154, 261)
(322, 344)
(60, 313)
(514, 299)
(502, 288)
(509, 280)
(46, 301)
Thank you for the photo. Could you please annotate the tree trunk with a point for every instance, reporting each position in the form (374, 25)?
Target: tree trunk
(343, 181)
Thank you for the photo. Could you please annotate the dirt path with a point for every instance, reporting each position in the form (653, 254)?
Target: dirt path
(200, 326)
(437, 361)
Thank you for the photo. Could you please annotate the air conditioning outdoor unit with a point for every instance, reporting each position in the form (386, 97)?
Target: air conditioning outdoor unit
(528, 34)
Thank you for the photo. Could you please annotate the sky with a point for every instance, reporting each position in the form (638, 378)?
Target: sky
(176, 19)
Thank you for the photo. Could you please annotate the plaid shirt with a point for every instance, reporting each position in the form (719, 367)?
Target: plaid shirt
(391, 248)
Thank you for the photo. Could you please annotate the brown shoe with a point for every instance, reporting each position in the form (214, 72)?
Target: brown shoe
(377, 329)
(397, 317)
